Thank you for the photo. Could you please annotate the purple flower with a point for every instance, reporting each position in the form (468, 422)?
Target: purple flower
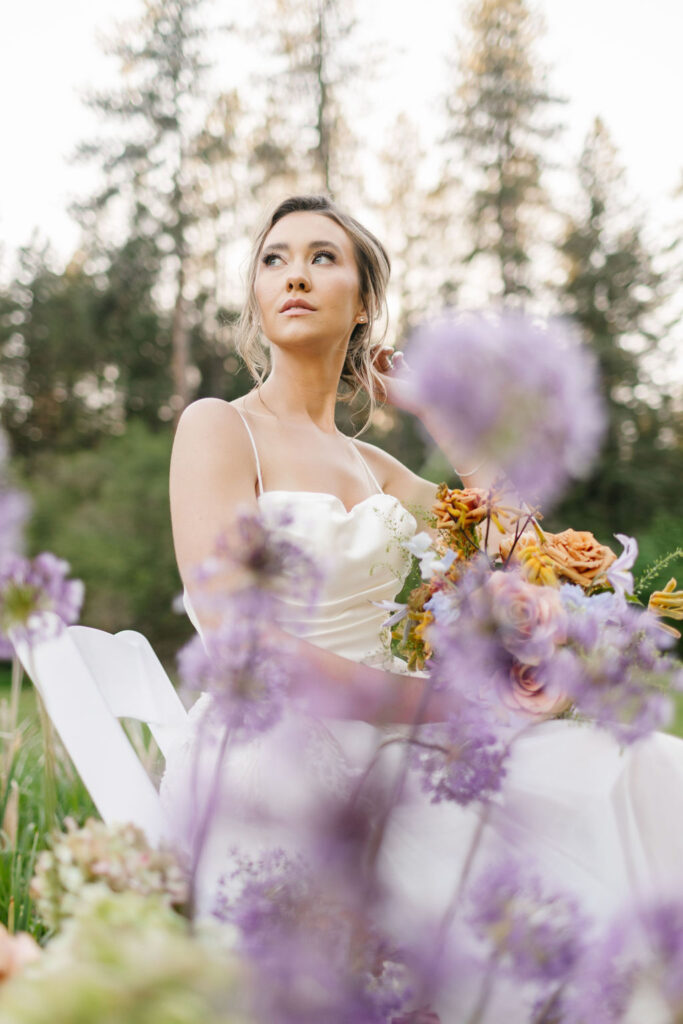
(315, 959)
(462, 759)
(614, 665)
(28, 589)
(259, 556)
(619, 574)
(509, 389)
(635, 971)
(242, 665)
(533, 934)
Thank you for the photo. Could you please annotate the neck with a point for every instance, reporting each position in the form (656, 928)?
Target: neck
(302, 391)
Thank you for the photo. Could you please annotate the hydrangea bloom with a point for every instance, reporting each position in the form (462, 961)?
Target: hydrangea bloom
(510, 389)
(115, 857)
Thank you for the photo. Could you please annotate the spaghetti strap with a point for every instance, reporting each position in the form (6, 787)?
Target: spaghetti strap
(367, 468)
(253, 445)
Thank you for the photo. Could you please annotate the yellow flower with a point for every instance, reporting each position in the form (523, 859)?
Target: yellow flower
(667, 603)
(537, 566)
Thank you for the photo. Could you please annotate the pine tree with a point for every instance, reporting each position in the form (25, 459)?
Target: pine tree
(497, 129)
(305, 138)
(615, 292)
(147, 162)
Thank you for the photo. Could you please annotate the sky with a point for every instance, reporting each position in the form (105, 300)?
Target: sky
(619, 59)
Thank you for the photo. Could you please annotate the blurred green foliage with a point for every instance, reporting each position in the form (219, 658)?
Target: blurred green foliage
(106, 511)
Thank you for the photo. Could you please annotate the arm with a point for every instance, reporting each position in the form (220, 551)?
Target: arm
(212, 475)
(417, 492)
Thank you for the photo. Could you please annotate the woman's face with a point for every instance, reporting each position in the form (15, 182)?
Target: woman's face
(307, 285)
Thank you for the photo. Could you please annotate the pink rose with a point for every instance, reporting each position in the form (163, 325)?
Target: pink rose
(527, 695)
(529, 620)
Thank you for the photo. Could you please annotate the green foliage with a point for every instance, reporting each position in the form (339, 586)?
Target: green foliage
(613, 291)
(106, 510)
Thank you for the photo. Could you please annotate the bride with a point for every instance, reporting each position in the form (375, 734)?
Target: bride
(595, 817)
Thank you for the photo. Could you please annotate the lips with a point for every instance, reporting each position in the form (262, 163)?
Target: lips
(296, 304)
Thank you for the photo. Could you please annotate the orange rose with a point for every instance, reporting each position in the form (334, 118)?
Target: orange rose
(573, 555)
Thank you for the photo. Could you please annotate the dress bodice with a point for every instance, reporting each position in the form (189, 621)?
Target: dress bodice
(361, 558)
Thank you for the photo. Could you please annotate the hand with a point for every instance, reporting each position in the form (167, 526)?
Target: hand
(397, 382)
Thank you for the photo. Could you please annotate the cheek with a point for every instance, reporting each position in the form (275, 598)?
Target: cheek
(261, 293)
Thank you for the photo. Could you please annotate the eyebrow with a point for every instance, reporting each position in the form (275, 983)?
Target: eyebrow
(284, 247)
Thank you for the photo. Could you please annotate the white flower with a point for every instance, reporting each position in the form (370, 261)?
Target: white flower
(619, 574)
(430, 563)
(399, 611)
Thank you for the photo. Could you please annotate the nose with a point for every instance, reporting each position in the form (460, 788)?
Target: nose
(298, 282)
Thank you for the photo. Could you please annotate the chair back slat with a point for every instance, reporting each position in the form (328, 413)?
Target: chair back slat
(87, 679)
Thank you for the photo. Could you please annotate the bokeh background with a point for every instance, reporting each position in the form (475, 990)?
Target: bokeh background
(502, 149)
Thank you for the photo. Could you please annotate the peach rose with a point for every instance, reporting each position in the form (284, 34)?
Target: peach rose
(16, 952)
(573, 555)
(578, 556)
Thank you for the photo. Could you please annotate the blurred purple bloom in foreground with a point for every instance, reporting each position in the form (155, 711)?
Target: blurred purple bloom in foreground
(29, 587)
(533, 934)
(241, 665)
(614, 666)
(462, 759)
(634, 973)
(244, 662)
(315, 960)
(513, 390)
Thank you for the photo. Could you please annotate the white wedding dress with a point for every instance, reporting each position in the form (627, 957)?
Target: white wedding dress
(603, 823)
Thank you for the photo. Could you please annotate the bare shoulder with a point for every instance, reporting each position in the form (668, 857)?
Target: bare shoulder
(211, 422)
(211, 444)
(396, 478)
(212, 475)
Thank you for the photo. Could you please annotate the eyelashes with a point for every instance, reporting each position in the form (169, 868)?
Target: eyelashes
(270, 257)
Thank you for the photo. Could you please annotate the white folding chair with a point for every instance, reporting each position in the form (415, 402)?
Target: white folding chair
(88, 679)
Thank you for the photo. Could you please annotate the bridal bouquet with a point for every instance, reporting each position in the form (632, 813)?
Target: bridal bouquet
(541, 623)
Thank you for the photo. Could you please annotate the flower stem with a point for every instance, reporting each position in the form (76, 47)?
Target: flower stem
(17, 676)
(50, 777)
(399, 782)
(199, 839)
(485, 992)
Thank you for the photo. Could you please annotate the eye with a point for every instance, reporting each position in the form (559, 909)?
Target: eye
(269, 258)
(326, 254)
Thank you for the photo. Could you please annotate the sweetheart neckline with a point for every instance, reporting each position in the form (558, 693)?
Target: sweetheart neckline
(335, 497)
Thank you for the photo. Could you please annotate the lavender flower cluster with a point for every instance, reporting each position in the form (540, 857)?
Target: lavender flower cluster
(513, 390)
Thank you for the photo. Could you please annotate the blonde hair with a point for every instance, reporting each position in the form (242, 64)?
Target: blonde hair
(358, 372)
